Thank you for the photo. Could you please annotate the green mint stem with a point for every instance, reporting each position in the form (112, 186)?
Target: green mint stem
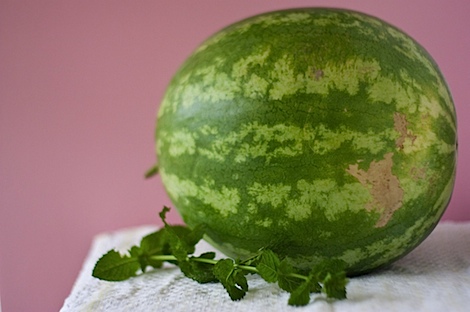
(163, 258)
(213, 262)
(299, 276)
(247, 268)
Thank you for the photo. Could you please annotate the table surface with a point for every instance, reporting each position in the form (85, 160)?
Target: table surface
(433, 277)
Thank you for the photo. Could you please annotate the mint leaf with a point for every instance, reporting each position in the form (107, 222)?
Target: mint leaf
(301, 295)
(240, 280)
(332, 274)
(178, 247)
(315, 286)
(181, 240)
(200, 268)
(207, 255)
(328, 266)
(151, 245)
(136, 253)
(202, 272)
(268, 265)
(286, 278)
(334, 285)
(116, 267)
(233, 280)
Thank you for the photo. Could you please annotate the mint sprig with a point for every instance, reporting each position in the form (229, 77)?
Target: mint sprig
(232, 277)
(176, 244)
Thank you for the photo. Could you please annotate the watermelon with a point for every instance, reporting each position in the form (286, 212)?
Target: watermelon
(318, 133)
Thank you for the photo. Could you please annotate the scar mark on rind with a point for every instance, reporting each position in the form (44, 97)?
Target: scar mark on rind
(318, 74)
(401, 126)
(383, 186)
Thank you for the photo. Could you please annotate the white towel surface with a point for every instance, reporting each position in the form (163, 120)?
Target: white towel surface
(433, 277)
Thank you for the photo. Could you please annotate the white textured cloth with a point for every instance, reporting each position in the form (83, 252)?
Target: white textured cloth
(433, 277)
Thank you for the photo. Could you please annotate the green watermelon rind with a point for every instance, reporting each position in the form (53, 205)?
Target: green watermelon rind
(277, 131)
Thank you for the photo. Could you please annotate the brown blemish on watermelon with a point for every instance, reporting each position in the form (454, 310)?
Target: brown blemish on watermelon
(384, 187)
(401, 126)
(316, 74)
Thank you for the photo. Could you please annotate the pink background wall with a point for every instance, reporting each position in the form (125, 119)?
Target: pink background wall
(80, 82)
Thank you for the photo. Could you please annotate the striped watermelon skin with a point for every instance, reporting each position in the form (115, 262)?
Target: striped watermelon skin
(317, 133)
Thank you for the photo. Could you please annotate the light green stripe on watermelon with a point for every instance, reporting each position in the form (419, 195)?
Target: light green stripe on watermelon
(292, 141)
(283, 81)
(224, 200)
(314, 132)
(273, 194)
(327, 196)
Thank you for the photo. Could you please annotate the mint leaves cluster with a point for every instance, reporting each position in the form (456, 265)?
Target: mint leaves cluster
(176, 244)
